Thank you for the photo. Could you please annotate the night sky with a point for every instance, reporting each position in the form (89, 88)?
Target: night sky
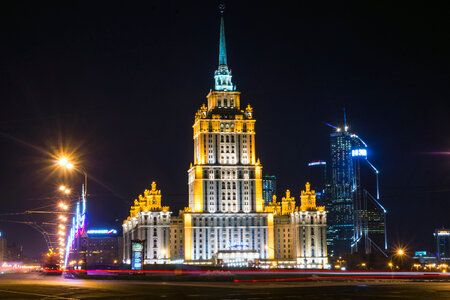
(119, 84)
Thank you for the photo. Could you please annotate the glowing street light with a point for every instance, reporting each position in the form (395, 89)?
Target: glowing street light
(62, 188)
(400, 252)
(67, 164)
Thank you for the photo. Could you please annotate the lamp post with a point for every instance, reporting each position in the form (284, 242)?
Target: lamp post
(67, 164)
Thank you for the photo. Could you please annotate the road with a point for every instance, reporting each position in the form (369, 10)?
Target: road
(37, 286)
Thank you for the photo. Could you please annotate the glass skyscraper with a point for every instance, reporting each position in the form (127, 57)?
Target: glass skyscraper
(340, 230)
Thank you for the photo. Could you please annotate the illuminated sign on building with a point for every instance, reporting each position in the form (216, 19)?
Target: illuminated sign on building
(359, 152)
(137, 255)
(317, 163)
(443, 232)
(420, 253)
(101, 231)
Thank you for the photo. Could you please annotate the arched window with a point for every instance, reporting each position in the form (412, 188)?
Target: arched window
(232, 103)
(225, 103)
(221, 138)
(219, 103)
(228, 139)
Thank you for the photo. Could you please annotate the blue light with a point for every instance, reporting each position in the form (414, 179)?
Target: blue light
(317, 163)
(101, 231)
(359, 152)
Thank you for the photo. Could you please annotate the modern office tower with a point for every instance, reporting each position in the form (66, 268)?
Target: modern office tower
(102, 250)
(357, 221)
(269, 183)
(340, 204)
(147, 228)
(370, 215)
(317, 175)
(442, 237)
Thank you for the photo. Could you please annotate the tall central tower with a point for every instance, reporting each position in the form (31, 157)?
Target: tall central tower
(225, 218)
(226, 176)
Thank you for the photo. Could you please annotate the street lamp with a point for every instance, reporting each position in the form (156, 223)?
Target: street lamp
(67, 164)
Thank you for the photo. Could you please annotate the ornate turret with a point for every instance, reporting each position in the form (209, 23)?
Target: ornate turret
(308, 199)
(287, 203)
(150, 201)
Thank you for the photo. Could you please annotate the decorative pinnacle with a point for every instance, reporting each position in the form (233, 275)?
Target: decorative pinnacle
(222, 7)
(222, 46)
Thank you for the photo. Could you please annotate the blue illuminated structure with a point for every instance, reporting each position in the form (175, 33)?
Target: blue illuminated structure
(357, 220)
(77, 232)
(101, 231)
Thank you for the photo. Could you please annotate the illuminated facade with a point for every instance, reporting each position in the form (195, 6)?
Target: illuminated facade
(149, 223)
(227, 221)
(442, 237)
(300, 232)
(357, 220)
(226, 207)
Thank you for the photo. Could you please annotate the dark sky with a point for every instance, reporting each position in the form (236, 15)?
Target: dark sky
(121, 82)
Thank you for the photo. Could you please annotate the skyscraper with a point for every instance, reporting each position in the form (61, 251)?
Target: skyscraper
(357, 221)
(340, 205)
(269, 188)
(227, 221)
(225, 179)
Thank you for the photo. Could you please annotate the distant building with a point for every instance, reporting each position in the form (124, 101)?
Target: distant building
(102, 249)
(341, 226)
(317, 175)
(3, 249)
(269, 185)
(442, 237)
(357, 220)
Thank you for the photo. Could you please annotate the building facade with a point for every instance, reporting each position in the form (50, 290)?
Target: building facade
(442, 237)
(341, 226)
(149, 224)
(357, 220)
(103, 249)
(227, 221)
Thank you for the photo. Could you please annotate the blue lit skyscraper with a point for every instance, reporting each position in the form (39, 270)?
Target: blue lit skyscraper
(340, 231)
(356, 219)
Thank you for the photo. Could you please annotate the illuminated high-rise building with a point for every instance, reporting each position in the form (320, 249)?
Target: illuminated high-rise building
(227, 221)
(356, 220)
(340, 204)
(226, 207)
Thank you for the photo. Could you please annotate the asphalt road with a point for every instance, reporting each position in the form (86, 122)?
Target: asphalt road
(36, 286)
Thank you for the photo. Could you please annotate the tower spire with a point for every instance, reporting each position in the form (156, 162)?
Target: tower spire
(222, 45)
(222, 76)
